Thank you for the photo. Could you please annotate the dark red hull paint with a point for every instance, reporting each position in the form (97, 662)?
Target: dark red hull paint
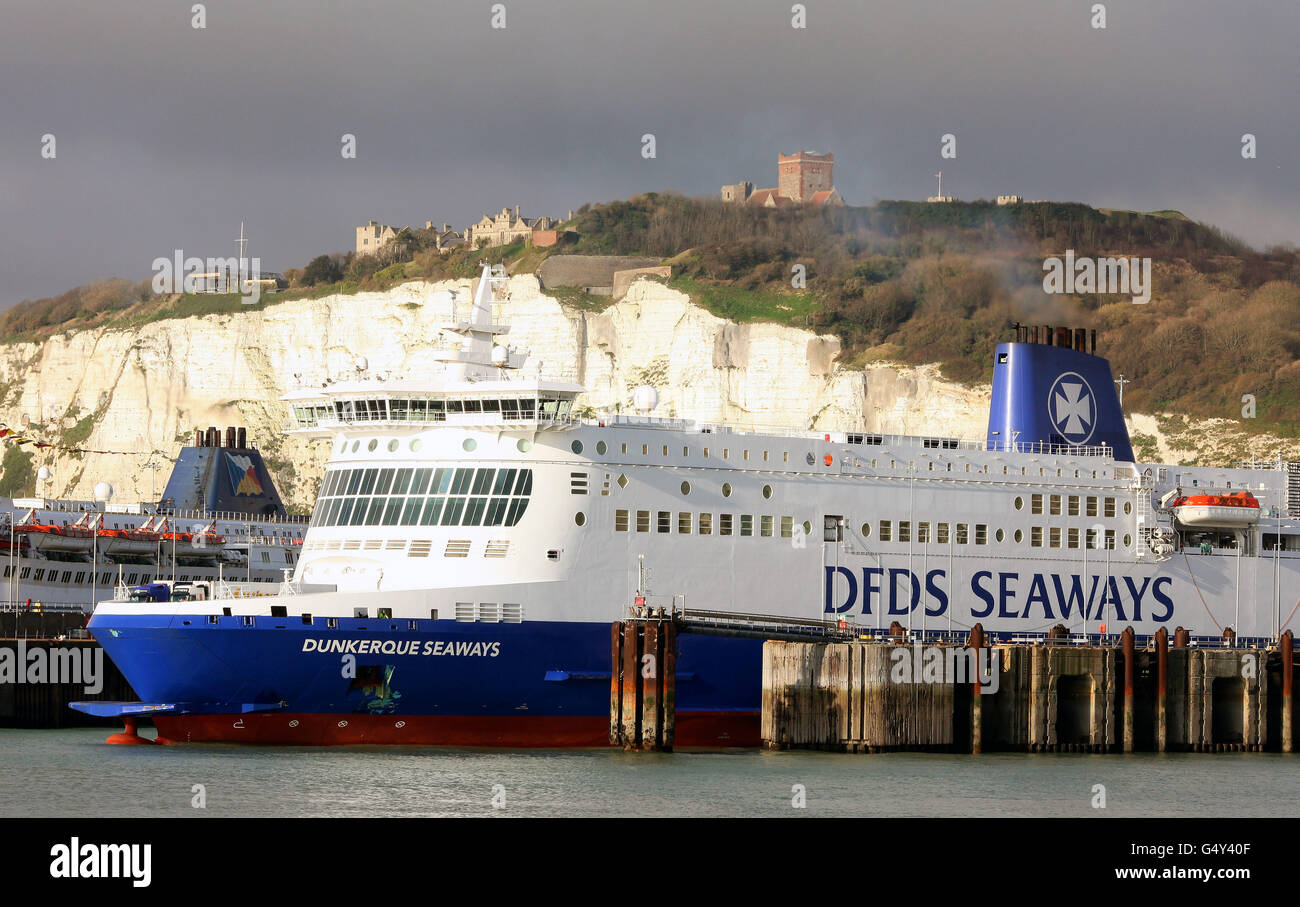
(694, 729)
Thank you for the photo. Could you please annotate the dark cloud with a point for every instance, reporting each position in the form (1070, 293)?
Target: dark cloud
(169, 137)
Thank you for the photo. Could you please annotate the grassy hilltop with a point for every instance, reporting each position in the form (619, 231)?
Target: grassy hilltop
(902, 281)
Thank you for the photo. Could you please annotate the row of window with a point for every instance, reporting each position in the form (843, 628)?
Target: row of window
(419, 511)
(1072, 505)
(106, 579)
(423, 497)
(602, 448)
(409, 480)
(401, 409)
(965, 533)
(688, 523)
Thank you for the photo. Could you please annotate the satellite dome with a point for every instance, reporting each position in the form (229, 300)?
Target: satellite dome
(500, 355)
(361, 363)
(103, 491)
(43, 473)
(645, 398)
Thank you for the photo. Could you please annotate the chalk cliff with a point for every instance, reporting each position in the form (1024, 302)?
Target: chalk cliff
(146, 389)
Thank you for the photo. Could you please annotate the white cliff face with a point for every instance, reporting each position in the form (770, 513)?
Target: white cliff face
(148, 388)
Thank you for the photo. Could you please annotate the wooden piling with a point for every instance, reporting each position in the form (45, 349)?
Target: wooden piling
(1288, 674)
(630, 731)
(1130, 656)
(976, 703)
(643, 688)
(648, 677)
(1162, 690)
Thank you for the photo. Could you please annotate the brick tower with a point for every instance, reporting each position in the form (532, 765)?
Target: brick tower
(804, 173)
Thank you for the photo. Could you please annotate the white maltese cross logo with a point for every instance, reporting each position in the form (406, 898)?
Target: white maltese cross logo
(1070, 405)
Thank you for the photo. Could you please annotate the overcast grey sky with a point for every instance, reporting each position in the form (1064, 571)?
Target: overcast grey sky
(167, 136)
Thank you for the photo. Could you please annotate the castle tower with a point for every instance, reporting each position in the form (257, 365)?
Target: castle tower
(804, 173)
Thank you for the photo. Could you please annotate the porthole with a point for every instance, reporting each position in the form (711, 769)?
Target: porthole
(999, 535)
(1020, 536)
(355, 445)
(767, 491)
(1128, 508)
(1128, 540)
(392, 445)
(601, 447)
(469, 444)
(726, 489)
(866, 530)
(580, 518)
(622, 481)
(524, 445)
(577, 447)
(1020, 503)
(416, 444)
(807, 528)
(686, 488)
(374, 442)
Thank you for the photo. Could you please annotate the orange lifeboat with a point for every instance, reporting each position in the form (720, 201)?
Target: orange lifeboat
(51, 536)
(1231, 510)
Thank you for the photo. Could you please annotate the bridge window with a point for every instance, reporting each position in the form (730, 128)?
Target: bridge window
(706, 524)
(1090, 506)
(643, 521)
(886, 531)
(724, 524)
(962, 534)
(1110, 507)
(1036, 503)
(620, 521)
(941, 535)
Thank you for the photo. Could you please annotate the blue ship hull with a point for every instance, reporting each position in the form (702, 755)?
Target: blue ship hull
(358, 680)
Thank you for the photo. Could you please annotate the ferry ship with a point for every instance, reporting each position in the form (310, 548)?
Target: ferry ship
(476, 534)
(220, 521)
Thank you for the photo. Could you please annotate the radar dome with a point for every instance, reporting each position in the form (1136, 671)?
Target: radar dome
(645, 398)
(103, 491)
(43, 473)
(361, 363)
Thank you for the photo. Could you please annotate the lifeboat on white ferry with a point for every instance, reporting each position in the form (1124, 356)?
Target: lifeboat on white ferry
(1235, 509)
(205, 542)
(139, 541)
(52, 536)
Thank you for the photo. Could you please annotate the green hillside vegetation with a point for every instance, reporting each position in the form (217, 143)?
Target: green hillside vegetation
(904, 281)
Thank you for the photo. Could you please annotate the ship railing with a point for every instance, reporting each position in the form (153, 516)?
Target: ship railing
(234, 516)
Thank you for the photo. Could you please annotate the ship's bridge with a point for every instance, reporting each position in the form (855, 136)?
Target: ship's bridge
(525, 405)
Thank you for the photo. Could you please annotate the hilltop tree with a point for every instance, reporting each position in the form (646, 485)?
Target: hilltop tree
(321, 269)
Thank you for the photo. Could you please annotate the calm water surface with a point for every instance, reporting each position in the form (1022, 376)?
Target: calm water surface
(72, 773)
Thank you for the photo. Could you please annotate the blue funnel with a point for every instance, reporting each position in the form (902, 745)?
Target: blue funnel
(1054, 398)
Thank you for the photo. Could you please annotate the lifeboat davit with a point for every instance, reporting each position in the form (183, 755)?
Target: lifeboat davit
(1235, 509)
